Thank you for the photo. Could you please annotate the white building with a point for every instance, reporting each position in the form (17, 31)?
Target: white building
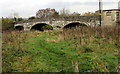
(119, 5)
(111, 17)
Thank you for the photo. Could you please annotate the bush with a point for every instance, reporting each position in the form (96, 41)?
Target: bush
(47, 27)
(31, 17)
(20, 19)
(7, 24)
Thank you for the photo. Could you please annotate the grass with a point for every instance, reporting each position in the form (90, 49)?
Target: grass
(54, 51)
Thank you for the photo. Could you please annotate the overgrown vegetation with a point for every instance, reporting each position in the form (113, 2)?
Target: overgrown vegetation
(8, 23)
(47, 27)
(42, 27)
(93, 49)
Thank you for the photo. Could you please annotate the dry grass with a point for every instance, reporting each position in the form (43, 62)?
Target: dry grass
(93, 39)
(91, 36)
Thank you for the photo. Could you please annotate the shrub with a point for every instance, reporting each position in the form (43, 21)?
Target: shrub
(47, 27)
(31, 17)
(7, 24)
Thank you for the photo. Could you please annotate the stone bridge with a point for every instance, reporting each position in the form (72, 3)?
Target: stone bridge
(58, 23)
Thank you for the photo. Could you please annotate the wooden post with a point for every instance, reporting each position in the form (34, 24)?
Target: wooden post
(100, 11)
(75, 66)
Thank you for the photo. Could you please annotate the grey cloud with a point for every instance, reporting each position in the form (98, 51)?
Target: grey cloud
(67, 4)
(28, 8)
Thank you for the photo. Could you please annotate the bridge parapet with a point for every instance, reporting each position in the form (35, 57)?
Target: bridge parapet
(67, 18)
(91, 20)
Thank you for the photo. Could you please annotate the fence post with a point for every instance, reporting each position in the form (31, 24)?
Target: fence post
(118, 67)
(75, 66)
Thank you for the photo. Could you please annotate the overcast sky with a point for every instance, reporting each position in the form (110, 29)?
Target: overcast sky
(27, 8)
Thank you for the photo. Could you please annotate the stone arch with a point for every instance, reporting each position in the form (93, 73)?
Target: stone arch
(19, 27)
(42, 27)
(73, 24)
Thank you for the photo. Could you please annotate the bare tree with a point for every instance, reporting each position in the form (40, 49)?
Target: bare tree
(64, 12)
